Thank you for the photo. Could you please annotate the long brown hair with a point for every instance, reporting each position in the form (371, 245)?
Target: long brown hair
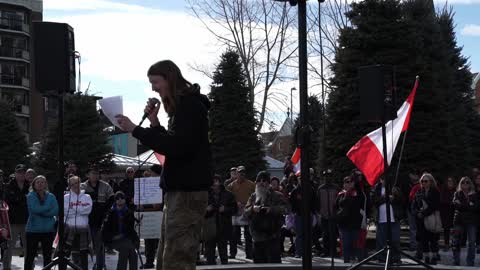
(179, 86)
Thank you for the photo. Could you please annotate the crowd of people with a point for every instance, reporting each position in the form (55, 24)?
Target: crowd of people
(98, 218)
(269, 211)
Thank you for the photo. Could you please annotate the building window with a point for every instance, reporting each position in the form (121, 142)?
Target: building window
(13, 74)
(12, 46)
(13, 20)
(17, 98)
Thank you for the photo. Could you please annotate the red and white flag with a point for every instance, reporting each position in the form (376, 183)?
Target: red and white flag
(367, 153)
(296, 161)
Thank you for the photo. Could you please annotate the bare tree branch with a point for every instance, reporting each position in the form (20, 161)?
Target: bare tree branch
(261, 32)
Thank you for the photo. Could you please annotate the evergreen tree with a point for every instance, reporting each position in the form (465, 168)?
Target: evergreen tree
(408, 36)
(464, 120)
(232, 122)
(13, 146)
(377, 36)
(85, 142)
(315, 121)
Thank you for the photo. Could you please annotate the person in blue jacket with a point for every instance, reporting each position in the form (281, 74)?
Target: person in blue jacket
(41, 224)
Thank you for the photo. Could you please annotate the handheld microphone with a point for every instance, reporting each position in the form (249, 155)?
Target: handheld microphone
(153, 102)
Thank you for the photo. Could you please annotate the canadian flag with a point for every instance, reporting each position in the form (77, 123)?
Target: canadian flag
(367, 153)
(296, 161)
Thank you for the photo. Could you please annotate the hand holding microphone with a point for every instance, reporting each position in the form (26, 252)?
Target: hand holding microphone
(151, 111)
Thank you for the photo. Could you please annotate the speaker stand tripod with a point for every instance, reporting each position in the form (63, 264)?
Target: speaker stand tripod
(61, 260)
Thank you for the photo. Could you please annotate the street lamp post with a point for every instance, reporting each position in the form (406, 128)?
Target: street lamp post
(303, 134)
(291, 101)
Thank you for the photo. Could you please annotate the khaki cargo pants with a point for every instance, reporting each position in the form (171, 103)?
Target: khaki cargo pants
(183, 216)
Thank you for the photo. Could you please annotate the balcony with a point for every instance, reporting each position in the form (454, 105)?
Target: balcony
(15, 53)
(14, 80)
(14, 25)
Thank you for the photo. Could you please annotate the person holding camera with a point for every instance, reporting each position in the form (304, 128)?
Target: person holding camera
(221, 207)
(118, 232)
(265, 210)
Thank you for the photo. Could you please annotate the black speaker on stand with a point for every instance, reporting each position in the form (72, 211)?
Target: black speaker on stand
(54, 61)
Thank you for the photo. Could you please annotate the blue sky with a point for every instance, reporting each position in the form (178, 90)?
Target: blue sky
(120, 39)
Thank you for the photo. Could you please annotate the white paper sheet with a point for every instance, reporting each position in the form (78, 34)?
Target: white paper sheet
(112, 106)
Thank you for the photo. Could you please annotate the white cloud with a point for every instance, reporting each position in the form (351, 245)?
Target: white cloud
(471, 30)
(118, 42)
(88, 5)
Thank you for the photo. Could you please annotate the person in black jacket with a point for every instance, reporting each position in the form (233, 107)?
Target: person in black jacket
(221, 207)
(296, 199)
(348, 217)
(16, 198)
(118, 231)
(467, 203)
(425, 203)
(187, 172)
(127, 185)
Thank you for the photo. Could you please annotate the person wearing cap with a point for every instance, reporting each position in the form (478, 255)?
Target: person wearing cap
(241, 188)
(30, 175)
(348, 217)
(233, 176)
(16, 198)
(102, 198)
(118, 231)
(127, 185)
(265, 211)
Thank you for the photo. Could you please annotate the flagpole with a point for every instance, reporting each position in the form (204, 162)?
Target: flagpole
(400, 158)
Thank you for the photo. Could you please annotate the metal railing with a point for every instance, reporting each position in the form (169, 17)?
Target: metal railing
(14, 53)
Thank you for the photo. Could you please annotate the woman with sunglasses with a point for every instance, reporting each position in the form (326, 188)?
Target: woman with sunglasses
(348, 217)
(466, 203)
(118, 232)
(425, 203)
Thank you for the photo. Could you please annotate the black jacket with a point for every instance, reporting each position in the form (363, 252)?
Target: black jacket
(127, 186)
(296, 199)
(467, 208)
(432, 200)
(111, 226)
(188, 158)
(16, 199)
(347, 209)
(223, 220)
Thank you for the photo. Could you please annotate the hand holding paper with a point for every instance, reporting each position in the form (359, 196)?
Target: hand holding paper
(111, 107)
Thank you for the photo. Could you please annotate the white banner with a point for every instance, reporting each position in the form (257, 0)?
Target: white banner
(150, 226)
(147, 191)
